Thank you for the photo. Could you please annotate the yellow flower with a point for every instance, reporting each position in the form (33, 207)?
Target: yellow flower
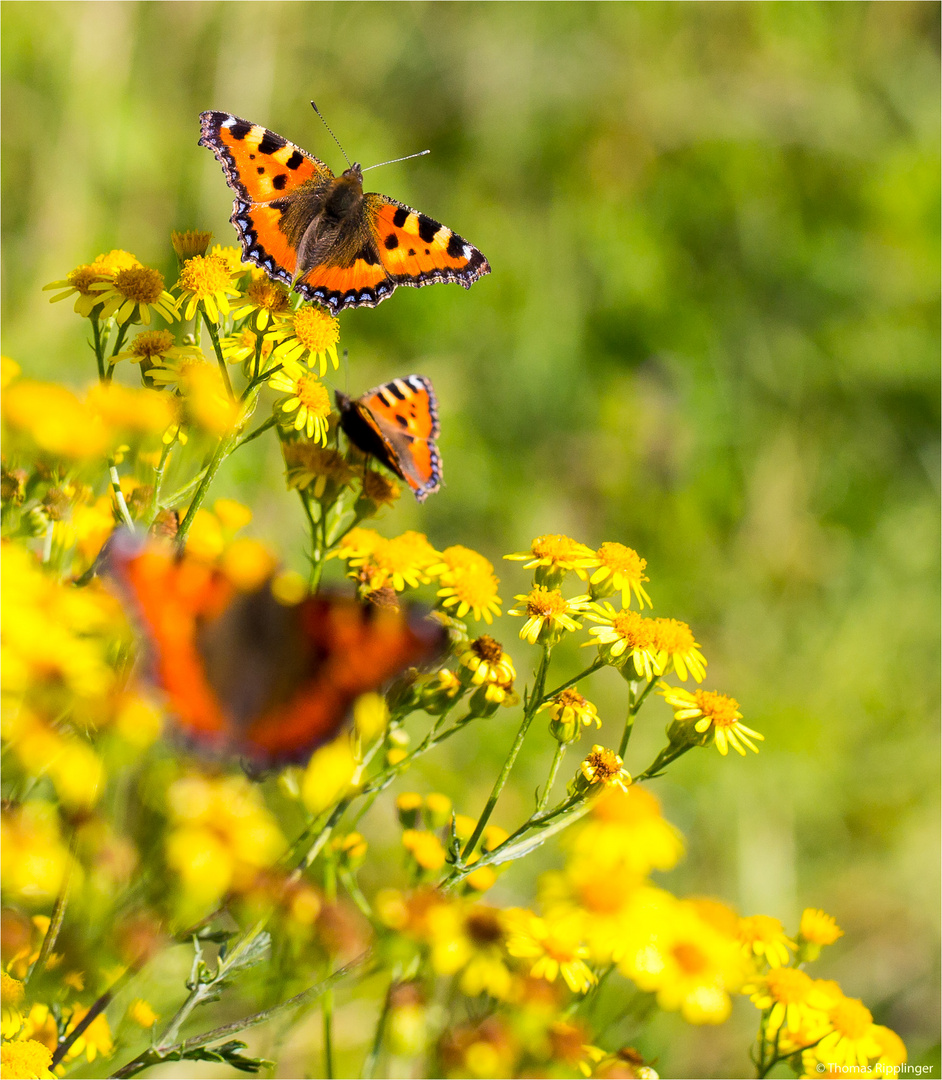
(619, 569)
(241, 347)
(153, 347)
(425, 848)
(484, 660)
(114, 262)
(231, 256)
(189, 243)
(11, 995)
(95, 1039)
(675, 645)
(131, 294)
(569, 713)
(470, 940)
(56, 420)
(401, 562)
(310, 466)
(626, 635)
(787, 995)
(329, 775)
(714, 714)
(206, 280)
(686, 952)
(78, 283)
(468, 583)
(26, 1059)
(548, 613)
(817, 928)
(263, 297)
(308, 400)
(554, 556)
(554, 944)
(852, 1040)
(765, 937)
(601, 769)
(309, 335)
(141, 1013)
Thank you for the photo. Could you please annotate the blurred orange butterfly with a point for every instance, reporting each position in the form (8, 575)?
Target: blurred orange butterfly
(397, 423)
(321, 233)
(247, 675)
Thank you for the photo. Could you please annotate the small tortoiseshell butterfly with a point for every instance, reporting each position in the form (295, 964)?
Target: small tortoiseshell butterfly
(247, 675)
(336, 244)
(398, 424)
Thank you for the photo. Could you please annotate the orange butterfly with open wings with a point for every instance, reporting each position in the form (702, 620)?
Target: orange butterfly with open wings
(336, 244)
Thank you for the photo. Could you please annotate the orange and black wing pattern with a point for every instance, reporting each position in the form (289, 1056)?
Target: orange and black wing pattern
(266, 172)
(397, 423)
(245, 675)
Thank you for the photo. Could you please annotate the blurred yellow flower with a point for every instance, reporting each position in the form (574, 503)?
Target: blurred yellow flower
(379, 489)
(56, 420)
(35, 860)
(555, 945)
(469, 940)
(141, 1013)
(818, 928)
(11, 997)
(425, 848)
(764, 937)
(320, 471)
(401, 562)
(329, 775)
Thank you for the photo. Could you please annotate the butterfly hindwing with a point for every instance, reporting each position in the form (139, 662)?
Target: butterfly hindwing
(336, 245)
(246, 675)
(397, 423)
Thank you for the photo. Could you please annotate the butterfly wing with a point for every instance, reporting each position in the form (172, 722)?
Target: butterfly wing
(397, 423)
(272, 179)
(244, 674)
(383, 245)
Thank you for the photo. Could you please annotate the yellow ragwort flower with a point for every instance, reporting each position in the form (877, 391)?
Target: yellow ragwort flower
(554, 944)
(625, 635)
(308, 401)
(712, 713)
(401, 562)
(548, 613)
(786, 994)
(232, 257)
(484, 660)
(131, 294)
(619, 569)
(554, 556)
(308, 335)
(818, 928)
(379, 489)
(468, 584)
(316, 469)
(425, 848)
(601, 769)
(676, 648)
(26, 1059)
(852, 1039)
(569, 713)
(205, 280)
(153, 347)
(189, 243)
(264, 298)
(764, 936)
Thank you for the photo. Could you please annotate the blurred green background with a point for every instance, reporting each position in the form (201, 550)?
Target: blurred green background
(711, 332)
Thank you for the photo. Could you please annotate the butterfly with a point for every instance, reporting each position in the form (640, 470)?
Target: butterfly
(397, 423)
(336, 245)
(246, 675)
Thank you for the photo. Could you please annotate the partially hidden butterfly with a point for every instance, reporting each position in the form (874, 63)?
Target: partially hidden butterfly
(397, 423)
(337, 245)
(246, 675)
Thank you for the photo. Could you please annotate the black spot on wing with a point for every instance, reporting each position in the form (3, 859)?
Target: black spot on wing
(368, 255)
(391, 242)
(240, 129)
(270, 143)
(260, 170)
(395, 391)
(279, 181)
(401, 420)
(427, 228)
(411, 251)
(400, 216)
(455, 246)
(295, 160)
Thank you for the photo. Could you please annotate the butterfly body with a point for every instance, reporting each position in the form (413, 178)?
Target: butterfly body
(244, 674)
(397, 423)
(336, 244)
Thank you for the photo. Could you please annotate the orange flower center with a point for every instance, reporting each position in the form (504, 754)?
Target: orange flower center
(720, 709)
(570, 698)
(671, 636)
(635, 629)
(268, 294)
(788, 985)
(82, 277)
(851, 1018)
(142, 284)
(546, 603)
(690, 958)
(603, 764)
(559, 549)
(760, 928)
(313, 395)
(204, 275)
(152, 343)
(315, 329)
(489, 650)
(623, 560)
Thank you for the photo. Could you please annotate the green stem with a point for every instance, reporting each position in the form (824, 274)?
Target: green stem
(634, 705)
(663, 759)
(154, 504)
(554, 769)
(217, 348)
(260, 430)
(119, 495)
(119, 341)
(372, 1058)
(535, 700)
(99, 350)
(58, 917)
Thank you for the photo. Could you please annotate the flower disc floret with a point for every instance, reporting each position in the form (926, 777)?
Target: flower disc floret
(263, 297)
(547, 613)
(309, 401)
(206, 280)
(675, 645)
(379, 489)
(712, 713)
(485, 661)
(569, 713)
(132, 293)
(309, 335)
(601, 769)
(554, 555)
(626, 635)
(619, 569)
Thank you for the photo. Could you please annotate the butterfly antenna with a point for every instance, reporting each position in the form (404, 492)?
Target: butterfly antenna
(332, 135)
(393, 161)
